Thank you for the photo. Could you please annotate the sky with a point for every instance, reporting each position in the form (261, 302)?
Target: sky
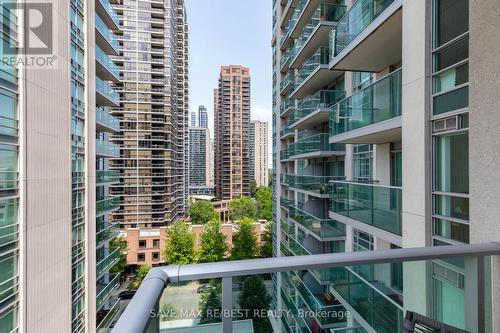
(230, 32)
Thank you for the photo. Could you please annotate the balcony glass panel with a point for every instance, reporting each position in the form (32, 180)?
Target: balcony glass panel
(107, 176)
(288, 81)
(315, 143)
(107, 148)
(377, 102)
(108, 261)
(320, 57)
(104, 290)
(322, 227)
(108, 35)
(107, 204)
(9, 226)
(379, 206)
(320, 100)
(286, 202)
(106, 62)
(356, 19)
(107, 232)
(9, 278)
(103, 117)
(286, 130)
(104, 88)
(286, 105)
(111, 12)
(310, 183)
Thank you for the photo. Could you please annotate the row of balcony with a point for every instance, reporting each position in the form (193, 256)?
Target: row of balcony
(314, 146)
(105, 291)
(106, 205)
(107, 176)
(106, 148)
(106, 122)
(108, 261)
(106, 95)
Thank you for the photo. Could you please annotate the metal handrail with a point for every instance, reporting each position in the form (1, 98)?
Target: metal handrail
(141, 309)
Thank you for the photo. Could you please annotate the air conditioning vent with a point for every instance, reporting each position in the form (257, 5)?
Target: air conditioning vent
(447, 124)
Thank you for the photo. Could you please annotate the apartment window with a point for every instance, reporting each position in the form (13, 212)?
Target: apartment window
(156, 243)
(156, 256)
(449, 294)
(141, 257)
(363, 162)
(452, 162)
(362, 241)
(396, 164)
(142, 244)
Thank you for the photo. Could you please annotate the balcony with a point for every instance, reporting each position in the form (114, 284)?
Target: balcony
(287, 83)
(105, 38)
(288, 11)
(105, 68)
(321, 229)
(373, 205)
(372, 115)
(106, 205)
(107, 232)
(314, 74)
(287, 105)
(106, 148)
(104, 9)
(105, 95)
(107, 176)
(286, 202)
(104, 291)
(314, 110)
(106, 122)
(315, 146)
(285, 60)
(105, 264)
(368, 38)
(362, 293)
(286, 132)
(286, 38)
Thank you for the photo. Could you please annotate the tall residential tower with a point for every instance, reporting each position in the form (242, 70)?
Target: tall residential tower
(259, 169)
(232, 133)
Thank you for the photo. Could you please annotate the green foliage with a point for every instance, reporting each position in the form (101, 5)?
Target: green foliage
(121, 243)
(255, 300)
(141, 273)
(210, 302)
(242, 207)
(202, 211)
(179, 246)
(264, 198)
(167, 312)
(266, 241)
(213, 243)
(244, 241)
(253, 188)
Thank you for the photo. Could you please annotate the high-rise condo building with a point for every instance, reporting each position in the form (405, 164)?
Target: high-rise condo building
(55, 232)
(202, 117)
(154, 113)
(383, 133)
(259, 171)
(232, 133)
(199, 157)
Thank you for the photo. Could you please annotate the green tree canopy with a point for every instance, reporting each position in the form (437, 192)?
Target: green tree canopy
(266, 241)
(253, 188)
(141, 273)
(254, 299)
(121, 243)
(244, 241)
(209, 301)
(264, 198)
(179, 247)
(213, 243)
(242, 207)
(202, 211)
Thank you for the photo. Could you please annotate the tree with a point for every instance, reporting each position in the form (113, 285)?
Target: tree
(264, 198)
(242, 207)
(167, 312)
(210, 303)
(244, 241)
(179, 247)
(121, 243)
(141, 273)
(213, 243)
(266, 241)
(255, 300)
(253, 188)
(202, 211)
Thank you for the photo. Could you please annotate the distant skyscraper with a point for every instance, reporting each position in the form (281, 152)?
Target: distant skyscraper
(202, 117)
(232, 133)
(193, 119)
(199, 153)
(258, 153)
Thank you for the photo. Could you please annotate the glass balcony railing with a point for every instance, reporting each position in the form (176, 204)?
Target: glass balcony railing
(107, 232)
(108, 35)
(313, 144)
(310, 183)
(286, 131)
(320, 57)
(105, 89)
(297, 248)
(379, 206)
(324, 228)
(285, 58)
(103, 117)
(286, 105)
(323, 99)
(107, 262)
(290, 305)
(355, 20)
(107, 176)
(107, 148)
(375, 103)
(288, 82)
(104, 60)
(284, 154)
(104, 291)
(107, 204)
(111, 12)
(286, 202)
(367, 282)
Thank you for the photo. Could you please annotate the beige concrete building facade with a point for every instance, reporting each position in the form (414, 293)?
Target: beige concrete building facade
(232, 133)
